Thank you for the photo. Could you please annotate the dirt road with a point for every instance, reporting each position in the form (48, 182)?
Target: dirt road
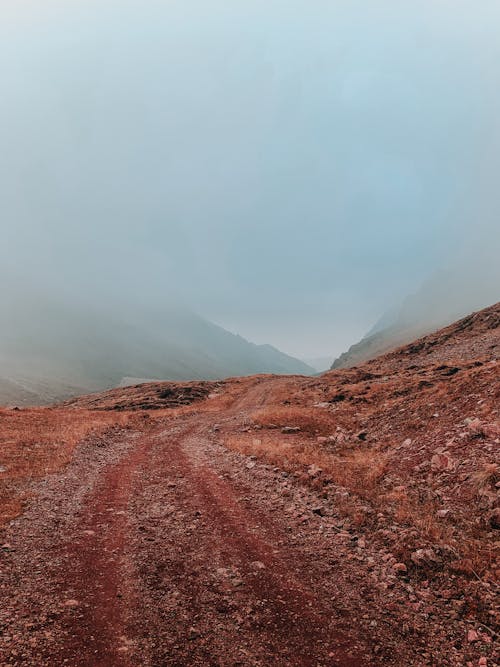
(161, 547)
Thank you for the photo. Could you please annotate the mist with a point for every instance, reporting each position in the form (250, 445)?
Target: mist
(288, 171)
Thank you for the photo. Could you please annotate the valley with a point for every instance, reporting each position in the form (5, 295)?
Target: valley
(346, 519)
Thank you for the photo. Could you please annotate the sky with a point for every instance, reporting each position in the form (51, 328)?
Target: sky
(289, 170)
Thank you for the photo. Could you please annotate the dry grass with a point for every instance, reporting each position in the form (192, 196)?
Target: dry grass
(312, 421)
(361, 472)
(39, 441)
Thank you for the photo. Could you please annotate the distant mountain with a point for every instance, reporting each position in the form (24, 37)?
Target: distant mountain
(443, 299)
(49, 351)
(319, 364)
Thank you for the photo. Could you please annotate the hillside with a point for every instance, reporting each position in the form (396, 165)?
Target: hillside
(49, 351)
(441, 300)
(349, 519)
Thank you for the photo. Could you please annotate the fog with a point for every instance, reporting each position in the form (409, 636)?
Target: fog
(289, 170)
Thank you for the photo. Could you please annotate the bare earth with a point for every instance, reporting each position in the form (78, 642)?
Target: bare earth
(165, 544)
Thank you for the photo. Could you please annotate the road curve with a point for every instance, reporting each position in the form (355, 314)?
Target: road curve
(163, 548)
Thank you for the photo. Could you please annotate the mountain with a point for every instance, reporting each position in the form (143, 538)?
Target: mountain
(443, 299)
(50, 351)
(320, 364)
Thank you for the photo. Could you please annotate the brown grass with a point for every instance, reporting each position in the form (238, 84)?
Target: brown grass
(39, 441)
(312, 421)
(361, 472)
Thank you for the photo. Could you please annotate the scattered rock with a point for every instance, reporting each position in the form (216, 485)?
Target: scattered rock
(422, 557)
(320, 511)
(472, 636)
(258, 565)
(494, 518)
(290, 429)
(443, 461)
(400, 568)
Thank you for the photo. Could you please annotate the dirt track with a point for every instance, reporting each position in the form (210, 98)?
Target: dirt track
(159, 546)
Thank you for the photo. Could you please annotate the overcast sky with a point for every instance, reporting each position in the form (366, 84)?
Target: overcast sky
(289, 169)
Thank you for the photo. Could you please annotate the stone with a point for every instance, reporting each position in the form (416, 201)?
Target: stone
(400, 568)
(422, 557)
(320, 511)
(494, 518)
(443, 462)
(290, 429)
(258, 565)
(472, 636)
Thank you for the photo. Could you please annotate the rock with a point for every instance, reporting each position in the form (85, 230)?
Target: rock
(258, 565)
(442, 514)
(400, 568)
(320, 511)
(3, 469)
(250, 465)
(290, 429)
(443, 462)
(322, 404)
(474, 426)
(193, 634)
(256, 442)
(422, 557)
(472, 636)
(482, 661)
(71, 603)
(314, 470)
(322, 439)
(494, 518)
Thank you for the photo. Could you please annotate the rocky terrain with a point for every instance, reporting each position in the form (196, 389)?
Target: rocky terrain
(443, 298)
(346, 519)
